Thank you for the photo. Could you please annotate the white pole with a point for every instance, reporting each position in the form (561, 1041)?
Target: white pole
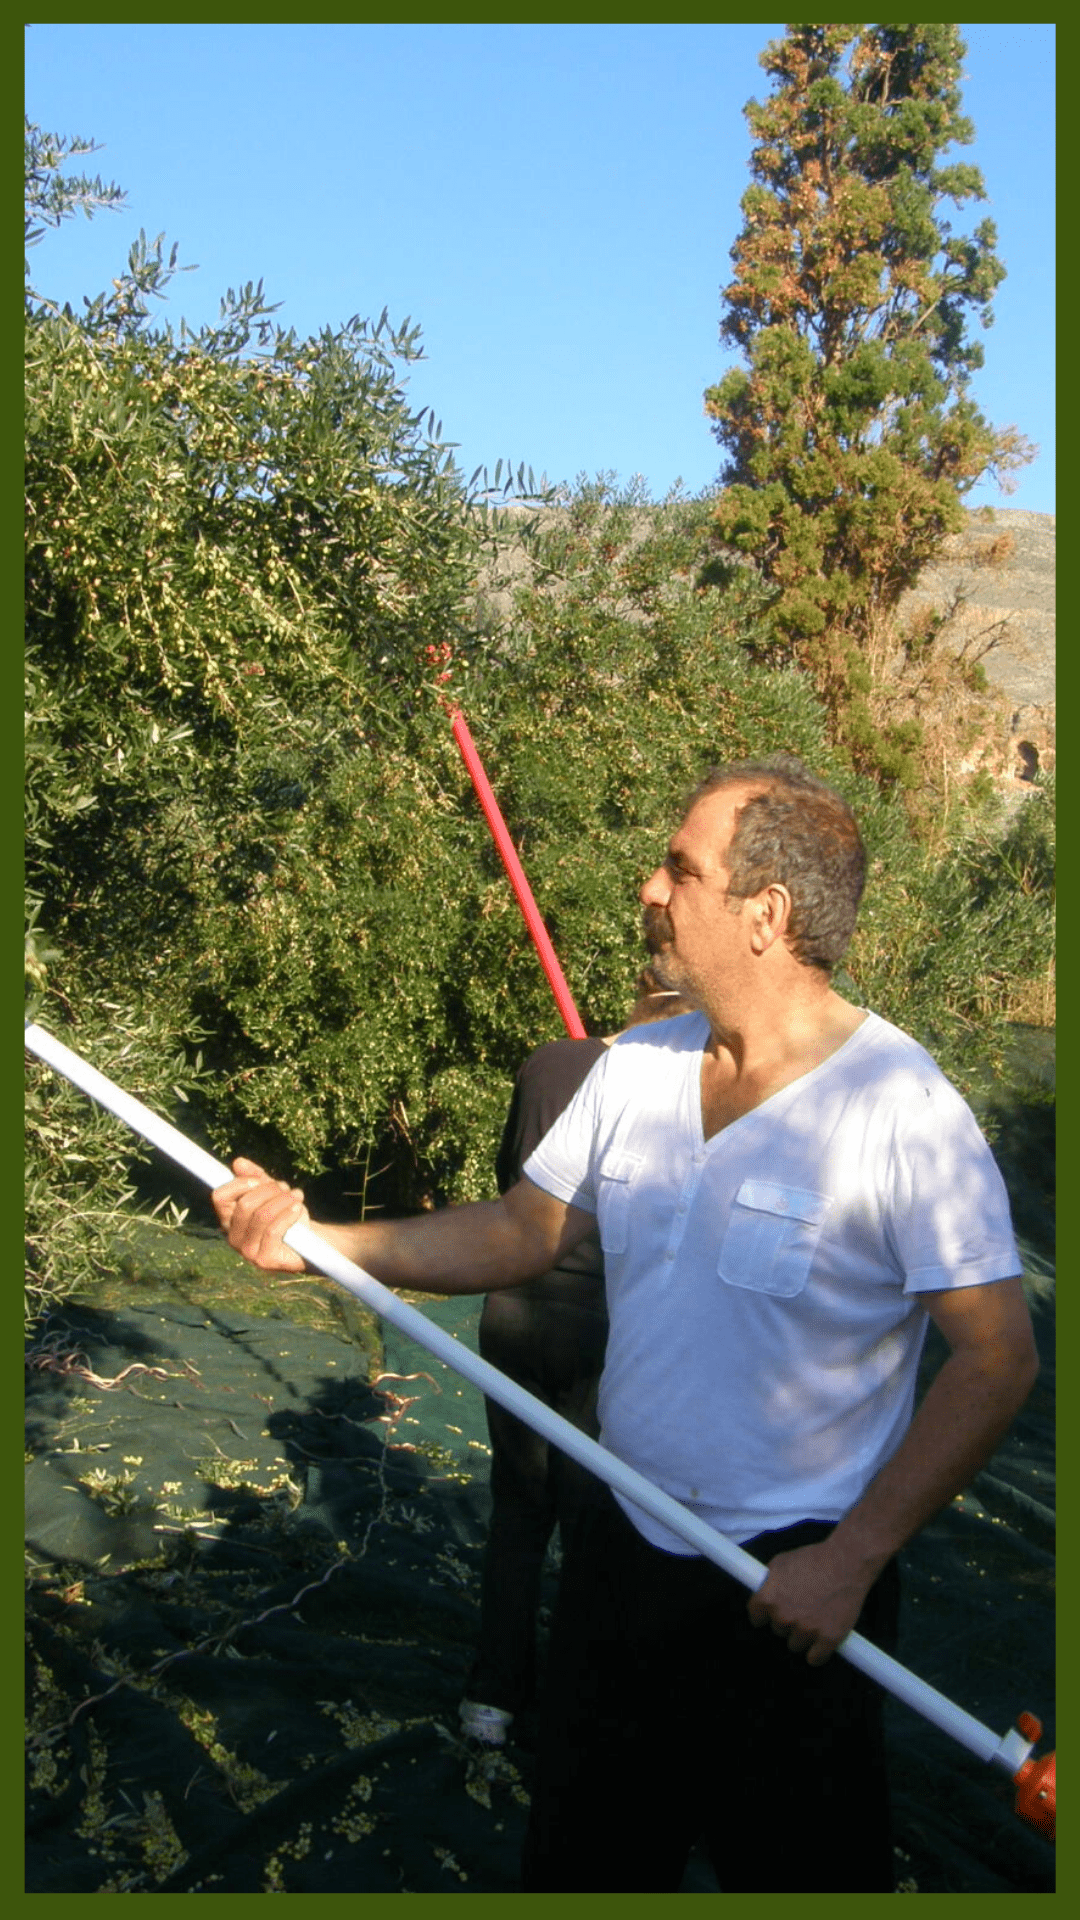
(1008, 1751)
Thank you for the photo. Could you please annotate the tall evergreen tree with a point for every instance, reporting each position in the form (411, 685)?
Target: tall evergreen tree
(851, 435)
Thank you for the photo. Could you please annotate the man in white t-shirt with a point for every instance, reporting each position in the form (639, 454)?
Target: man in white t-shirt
(786, 1187)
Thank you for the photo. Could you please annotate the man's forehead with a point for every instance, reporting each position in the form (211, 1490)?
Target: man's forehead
(705, 833)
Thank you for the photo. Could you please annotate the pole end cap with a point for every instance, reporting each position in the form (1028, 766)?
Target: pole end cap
(1036, 1794)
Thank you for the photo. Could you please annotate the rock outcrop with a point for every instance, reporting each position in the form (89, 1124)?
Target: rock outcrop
(996, 582)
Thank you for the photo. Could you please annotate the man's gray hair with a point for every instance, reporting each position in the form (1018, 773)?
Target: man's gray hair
(796, 831)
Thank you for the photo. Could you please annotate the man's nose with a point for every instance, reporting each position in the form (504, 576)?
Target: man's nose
(656, 891)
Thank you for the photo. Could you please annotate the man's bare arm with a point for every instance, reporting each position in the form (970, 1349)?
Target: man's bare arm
(477, 1248)
(813, 1596)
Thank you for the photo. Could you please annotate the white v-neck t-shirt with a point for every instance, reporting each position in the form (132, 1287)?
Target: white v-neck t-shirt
(764, 1285)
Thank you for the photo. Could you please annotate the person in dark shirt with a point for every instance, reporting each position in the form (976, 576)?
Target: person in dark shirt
(549, 1335)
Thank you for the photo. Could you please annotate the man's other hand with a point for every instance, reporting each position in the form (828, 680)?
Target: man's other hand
(810, 1600)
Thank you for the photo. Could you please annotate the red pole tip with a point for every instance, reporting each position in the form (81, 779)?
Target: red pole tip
(516, 875)
(1036, 1794)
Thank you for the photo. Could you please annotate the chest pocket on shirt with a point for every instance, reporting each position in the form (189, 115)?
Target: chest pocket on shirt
(613, 1200)
(771, 1237)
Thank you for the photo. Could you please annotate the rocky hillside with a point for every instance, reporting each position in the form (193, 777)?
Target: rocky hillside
(994, 582)
(997, 579)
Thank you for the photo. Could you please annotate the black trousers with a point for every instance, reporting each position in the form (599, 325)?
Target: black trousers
(555, 1349)
(669, 1719)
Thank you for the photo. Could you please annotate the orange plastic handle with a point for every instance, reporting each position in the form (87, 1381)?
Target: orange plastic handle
(1036, 1794)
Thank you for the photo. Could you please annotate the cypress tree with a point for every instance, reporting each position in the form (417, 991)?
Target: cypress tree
(850, 433)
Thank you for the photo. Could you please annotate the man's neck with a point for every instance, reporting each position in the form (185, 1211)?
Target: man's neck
(751, 1058)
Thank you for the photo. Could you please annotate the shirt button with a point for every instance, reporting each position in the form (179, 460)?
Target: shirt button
(669, 1255)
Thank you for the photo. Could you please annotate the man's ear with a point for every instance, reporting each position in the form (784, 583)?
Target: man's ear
(770, 915)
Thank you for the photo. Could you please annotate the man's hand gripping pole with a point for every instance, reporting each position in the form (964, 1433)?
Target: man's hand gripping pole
(1035, 1779)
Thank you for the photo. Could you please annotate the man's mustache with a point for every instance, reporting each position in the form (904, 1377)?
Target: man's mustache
(659, 932)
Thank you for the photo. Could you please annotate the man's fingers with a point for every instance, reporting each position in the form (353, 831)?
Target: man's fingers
(261, 1238)
(818, 1654)
(226, 1197)
(797, 1639)
(260, 1235)
(256, 1212)
(260, 1220)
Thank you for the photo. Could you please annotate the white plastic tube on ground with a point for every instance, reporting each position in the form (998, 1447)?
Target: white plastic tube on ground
(1008, 1750)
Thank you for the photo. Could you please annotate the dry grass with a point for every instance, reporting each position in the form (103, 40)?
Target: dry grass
(1033, 1002)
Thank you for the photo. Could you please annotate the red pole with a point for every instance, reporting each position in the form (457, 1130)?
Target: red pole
(563, 997)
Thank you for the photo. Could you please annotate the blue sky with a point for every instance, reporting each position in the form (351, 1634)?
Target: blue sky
(554, 205)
